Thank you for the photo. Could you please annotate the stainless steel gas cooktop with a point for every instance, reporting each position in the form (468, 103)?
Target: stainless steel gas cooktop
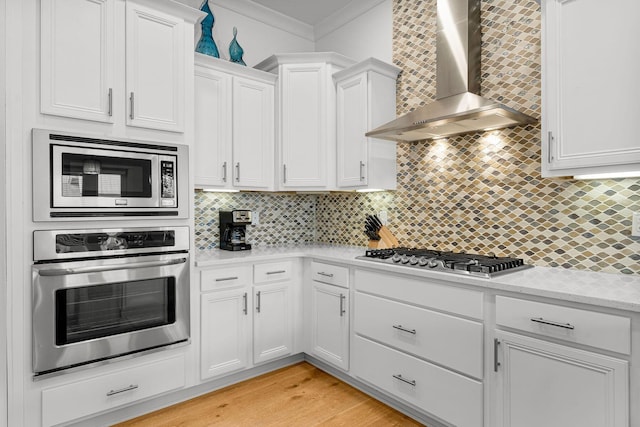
(486, 266)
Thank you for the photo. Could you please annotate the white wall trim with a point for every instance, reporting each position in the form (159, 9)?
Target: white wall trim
(343, 16)
(268, 16)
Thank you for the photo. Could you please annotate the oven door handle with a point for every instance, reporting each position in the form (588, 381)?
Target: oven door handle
(98, 269)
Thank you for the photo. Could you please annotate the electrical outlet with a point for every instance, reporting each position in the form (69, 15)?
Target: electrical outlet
(255, 218)
(635, 224)
(382, 216)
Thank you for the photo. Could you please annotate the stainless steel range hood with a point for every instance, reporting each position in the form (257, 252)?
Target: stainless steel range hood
(458, 107)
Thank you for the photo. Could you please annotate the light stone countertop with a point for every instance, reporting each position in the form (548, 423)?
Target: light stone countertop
(618, 291)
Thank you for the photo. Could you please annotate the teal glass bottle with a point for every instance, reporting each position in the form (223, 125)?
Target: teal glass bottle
(235, 50)
(206, 44)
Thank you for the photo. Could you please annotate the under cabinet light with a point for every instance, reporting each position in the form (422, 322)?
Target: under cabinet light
(610, 175)
(369, 190)
(219, 190)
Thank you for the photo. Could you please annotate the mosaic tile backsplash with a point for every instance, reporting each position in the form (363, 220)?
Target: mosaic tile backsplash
(480, 192)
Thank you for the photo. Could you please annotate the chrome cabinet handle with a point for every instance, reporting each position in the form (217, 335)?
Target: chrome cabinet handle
(276, 272)
(322, 273)
(400, 328)
(284, 174)
(258, 301)
(245, 307)
(496, 364)
(131, 104)
(238, 172)
(99, 269)
(404, 380)
(550, 136)
(552, 323)
(122, 390)
(110, 106)
(225, 279)
(342, 310)
(224, 172)
(361, 170)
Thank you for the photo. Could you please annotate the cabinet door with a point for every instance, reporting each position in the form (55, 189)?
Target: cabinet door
(352, 124)
(545, 384)
(155, 62)
(77, 59)
(330, 324)
(272, 322)
(225, 332)
(303, 121)
(253, 134)
(590, 86)
(212, 147)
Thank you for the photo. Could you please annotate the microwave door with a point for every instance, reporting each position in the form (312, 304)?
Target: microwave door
(90, 178)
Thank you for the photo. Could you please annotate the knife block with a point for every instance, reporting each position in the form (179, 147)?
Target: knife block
(387, 240)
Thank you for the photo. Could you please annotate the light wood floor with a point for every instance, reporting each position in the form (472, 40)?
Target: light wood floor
(299, 395)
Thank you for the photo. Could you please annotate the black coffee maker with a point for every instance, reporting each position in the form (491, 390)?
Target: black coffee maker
(233, 230)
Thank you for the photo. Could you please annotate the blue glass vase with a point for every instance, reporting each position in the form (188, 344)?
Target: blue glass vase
(235, 50)
(206, 44)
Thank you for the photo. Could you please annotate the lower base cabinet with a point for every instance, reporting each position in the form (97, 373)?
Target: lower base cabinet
(546, 384)
(94, 395)
(444, 394)
(272, 322)
(330, 324)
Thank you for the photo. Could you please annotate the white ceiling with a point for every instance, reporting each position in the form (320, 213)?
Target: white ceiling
(308, 11)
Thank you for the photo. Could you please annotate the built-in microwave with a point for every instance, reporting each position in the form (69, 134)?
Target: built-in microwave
(76, 176)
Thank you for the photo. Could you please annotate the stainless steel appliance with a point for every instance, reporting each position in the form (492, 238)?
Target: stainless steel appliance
(233, 230)
(77, 176)
(104, 294)
(486, 266)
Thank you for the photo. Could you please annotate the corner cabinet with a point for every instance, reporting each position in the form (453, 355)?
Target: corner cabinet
(589, 87)
(82, 56)
(234, 126)
(365, 99)
(306, 129)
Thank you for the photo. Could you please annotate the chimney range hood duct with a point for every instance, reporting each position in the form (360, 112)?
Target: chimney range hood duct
(458, 108)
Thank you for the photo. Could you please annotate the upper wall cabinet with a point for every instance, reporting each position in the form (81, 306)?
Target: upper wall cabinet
(234, 126)
(82, 52)
(590, 70)
(306, 118)
(365, 99)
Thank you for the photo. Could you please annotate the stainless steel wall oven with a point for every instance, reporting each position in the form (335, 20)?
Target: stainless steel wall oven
(105, 294)
(77, 176)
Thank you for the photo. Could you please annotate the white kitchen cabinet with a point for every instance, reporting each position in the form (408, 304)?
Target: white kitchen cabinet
(545, 384)
(329, 316)
(366, 99)
(82, 54)
(272, 322)
(306, 129)
(589, 88)
(234, 126)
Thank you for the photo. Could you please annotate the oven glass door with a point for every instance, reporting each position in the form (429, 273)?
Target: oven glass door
(90, 178)
(91, 312)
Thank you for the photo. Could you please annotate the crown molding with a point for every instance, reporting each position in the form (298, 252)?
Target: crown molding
(268, 16)
(343, 16)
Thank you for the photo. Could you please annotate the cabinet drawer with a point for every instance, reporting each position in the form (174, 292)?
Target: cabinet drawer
(421, 292)
(272, 272)
(437, 391)
(600, 330)
(447, 340)
(94, 395)
(331, 274)
(224, 278)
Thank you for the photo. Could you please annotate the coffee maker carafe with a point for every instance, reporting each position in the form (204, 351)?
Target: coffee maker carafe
(233, 230)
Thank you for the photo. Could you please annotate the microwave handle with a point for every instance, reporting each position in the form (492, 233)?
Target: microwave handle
(98, 269)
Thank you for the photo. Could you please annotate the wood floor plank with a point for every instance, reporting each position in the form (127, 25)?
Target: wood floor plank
(299, 395)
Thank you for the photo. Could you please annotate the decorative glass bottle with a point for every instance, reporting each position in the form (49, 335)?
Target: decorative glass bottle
(206, 44)
(235, 50)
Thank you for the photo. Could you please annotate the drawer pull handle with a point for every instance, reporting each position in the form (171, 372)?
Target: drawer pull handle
(400, 328)
(404, 380)
(258, 301)
(342, 310)
(225, 279)
(122, 390)
(276, 272)
(552, 323)
(322, 273)
(244, 300)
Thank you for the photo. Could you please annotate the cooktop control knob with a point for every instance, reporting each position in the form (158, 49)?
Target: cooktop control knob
(413, 260)
(423, 261)
(432, 263)
(404, 259)
(395, 258)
